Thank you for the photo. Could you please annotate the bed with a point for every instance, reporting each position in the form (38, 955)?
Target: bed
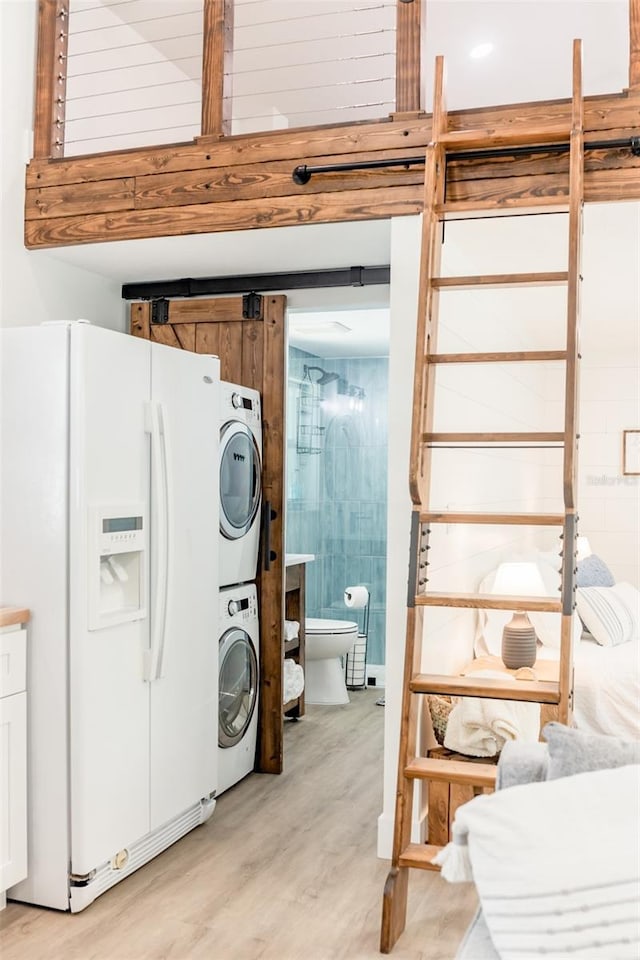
(606, 644)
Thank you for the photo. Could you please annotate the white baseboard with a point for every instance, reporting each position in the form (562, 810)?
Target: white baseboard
(385, 834)
(376, 671)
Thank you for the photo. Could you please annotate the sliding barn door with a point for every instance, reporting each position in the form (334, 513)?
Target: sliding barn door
(248, 335)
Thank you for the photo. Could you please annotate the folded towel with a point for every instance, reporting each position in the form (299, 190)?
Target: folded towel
(480, 727)
(292, 681)
(291, 630)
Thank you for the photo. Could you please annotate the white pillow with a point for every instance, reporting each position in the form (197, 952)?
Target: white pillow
(610, 614)
(547, 625)
(542, 889)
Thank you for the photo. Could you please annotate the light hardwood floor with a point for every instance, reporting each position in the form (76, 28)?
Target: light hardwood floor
(286, 869)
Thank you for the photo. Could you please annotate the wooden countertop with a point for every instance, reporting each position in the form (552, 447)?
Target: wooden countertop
(10, 616)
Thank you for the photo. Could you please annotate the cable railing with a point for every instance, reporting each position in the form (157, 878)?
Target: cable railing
(133, 68)
(310, 63)
(133, 74)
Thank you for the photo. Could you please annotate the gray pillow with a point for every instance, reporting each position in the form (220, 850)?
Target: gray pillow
(521, 762)
(593, 572)
(574, 751)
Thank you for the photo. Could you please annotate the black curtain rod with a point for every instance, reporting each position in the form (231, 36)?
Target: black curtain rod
(303, 173)
(263, 283)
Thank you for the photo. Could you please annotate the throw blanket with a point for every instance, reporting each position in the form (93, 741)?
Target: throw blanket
(556, 865)
(480, 727)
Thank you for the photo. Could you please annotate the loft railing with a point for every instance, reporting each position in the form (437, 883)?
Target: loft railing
(114, 74)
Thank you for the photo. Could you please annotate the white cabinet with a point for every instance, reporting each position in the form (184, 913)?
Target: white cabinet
(13, 756)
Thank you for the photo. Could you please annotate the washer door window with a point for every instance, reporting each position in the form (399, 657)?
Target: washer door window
(239, 479)
(238, 685)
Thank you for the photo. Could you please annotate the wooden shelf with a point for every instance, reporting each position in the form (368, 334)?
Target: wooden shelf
(535, 691)
(489, 438)
(489, 601)
(509, 356)
(452, 771)
(420, 855)
(524, 519)
(501, 280)
(294, 609)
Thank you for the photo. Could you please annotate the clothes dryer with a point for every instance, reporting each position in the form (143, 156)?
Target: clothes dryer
(238, 683)
(240, 483)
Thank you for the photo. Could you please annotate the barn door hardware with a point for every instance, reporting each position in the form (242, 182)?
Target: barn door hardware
(160, 310)
(251, 306)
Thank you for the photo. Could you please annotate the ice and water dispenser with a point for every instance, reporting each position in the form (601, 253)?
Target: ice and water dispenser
(117, 565)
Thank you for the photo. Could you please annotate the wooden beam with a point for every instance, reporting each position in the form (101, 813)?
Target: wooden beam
(50, 86)
(271, 581)
(604, 117)
(229, 215)
(408, 35)
(634, 46)
(216, 59)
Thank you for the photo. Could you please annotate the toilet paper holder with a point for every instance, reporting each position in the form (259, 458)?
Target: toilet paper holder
(355, 667)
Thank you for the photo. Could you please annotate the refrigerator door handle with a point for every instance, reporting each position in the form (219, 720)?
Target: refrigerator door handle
(166, 520)
(159, 537)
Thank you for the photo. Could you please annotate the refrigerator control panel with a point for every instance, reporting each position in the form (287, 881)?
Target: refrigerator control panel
(122, 534)
(117, 565)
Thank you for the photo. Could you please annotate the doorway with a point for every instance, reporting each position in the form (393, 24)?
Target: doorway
(336, 458)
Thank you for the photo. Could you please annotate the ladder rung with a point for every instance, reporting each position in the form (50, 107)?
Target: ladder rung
(534, 691)
(493, 437)
(501, 280)
(489, 601)
(516, 356)
(420, 855)
(489, 209)
(452, 771)
(516, 519)
(553, 131)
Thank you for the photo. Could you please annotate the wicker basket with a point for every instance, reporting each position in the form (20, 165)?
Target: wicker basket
(439, 708)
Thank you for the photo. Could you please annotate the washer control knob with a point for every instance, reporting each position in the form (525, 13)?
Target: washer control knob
(233, 607)
(236, 400)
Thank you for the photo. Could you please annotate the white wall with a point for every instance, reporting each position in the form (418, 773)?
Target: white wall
(35, 285)
(609, 503)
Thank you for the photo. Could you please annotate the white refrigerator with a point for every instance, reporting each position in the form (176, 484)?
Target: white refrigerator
(109, 500)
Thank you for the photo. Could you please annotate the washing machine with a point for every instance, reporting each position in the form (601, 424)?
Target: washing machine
(238, 683)
(240, 483)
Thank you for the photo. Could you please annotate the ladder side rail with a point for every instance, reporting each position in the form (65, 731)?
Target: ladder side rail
(426, 333)
(576, 203)
(430, 248)
(394, 902)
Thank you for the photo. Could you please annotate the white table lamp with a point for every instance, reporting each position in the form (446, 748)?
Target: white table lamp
(522, 579)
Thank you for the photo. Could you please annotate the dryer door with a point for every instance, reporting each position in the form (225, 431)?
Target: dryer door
(240, 484)
(238, 686)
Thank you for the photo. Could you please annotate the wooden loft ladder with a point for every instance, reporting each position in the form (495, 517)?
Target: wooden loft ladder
(424, 441)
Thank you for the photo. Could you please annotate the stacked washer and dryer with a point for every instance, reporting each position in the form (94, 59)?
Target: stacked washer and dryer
(239, 641)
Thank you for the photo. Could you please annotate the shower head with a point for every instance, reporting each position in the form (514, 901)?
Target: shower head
(324, 377)
(327, 378)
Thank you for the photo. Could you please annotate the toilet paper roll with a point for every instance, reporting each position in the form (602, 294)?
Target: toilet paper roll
(356, 597)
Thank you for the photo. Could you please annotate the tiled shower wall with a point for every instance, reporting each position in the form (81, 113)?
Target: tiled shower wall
(337, 499)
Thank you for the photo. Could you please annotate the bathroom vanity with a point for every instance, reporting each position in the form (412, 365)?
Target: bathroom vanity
(295, 610)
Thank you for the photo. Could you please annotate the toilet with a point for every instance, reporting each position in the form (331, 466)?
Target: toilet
(326, 642)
